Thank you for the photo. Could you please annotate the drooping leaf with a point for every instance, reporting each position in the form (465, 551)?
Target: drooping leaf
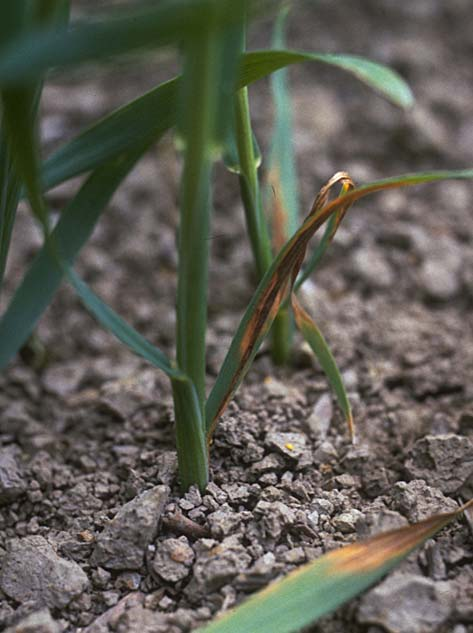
(154, 112)
(319, 346)
(113, 323)
(71, 232)
(316, 589)
(381, 78)
(146, 118)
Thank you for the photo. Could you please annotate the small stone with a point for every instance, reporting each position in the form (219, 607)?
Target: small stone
(32, 571)
(110, 598)
(128, 580)
(276, 516)
(63, 379)
(294, 556)
(370, 265)
(225, 521)
(38, 622)
(417, 501)
(259, 574)
(379, 519)
(173, 559)
(271, 462)
(101, 577)
(123, 542)
(346, 522)
(440, 272)
(345, 480)
(12, 483)
(321, 416)
(325, 453)
(288, 444)
(443, 461)
(407, 603)
(216, 565)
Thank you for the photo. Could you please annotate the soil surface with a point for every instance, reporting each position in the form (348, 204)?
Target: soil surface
(94, 536)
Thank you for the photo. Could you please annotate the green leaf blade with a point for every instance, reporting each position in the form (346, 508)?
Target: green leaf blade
(319, 346)
(44, 276)
(317, 589)
(381, 78)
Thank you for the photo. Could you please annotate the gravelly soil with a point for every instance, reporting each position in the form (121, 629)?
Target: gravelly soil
(88, 492)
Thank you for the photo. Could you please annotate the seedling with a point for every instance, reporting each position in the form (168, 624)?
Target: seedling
(208, 104)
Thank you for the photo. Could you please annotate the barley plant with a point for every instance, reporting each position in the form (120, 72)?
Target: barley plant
(207, 104)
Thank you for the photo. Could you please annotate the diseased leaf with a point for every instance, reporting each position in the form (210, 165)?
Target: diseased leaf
(279, 279)
(273, 289)
(316, 589)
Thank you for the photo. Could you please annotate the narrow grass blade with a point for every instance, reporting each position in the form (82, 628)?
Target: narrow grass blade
(319, 346)
(154, 112)
(70, 234)
(135, 123)
(9, 197)
(248, 161)
(146, 25)
(113, 323)
(316, 589)
(190, 438)
(382, 79)
(282, 204)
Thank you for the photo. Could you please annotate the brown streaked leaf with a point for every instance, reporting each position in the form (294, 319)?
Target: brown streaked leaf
(316, 589)
(274, 288)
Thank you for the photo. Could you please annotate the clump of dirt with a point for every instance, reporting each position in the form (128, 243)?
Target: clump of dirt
(88, 491)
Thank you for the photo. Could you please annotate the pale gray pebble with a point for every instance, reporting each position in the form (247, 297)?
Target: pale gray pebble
(275, 517)
(32, 571)
(269, 463)
(37, 622)
(426, 604)
(110, 598)
(370, 265)
(417, 501)
(444, 461)
(319, 420)
(122, 543)
(128, 580)
(226, 521)
(259, 574)
(138, 619)
(325, 453)
(290, 445)
(440, 272)
(347, 521)
(379, 519)
(12, 482)
(173, 559)
(216, 565)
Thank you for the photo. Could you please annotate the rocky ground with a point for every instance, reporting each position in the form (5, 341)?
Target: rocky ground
(94, 536)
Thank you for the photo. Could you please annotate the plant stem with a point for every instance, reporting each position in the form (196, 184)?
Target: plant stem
(199, 99)
(249, 185)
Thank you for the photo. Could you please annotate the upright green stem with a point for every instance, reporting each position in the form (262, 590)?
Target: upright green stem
(249, 185)
(199, 99)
